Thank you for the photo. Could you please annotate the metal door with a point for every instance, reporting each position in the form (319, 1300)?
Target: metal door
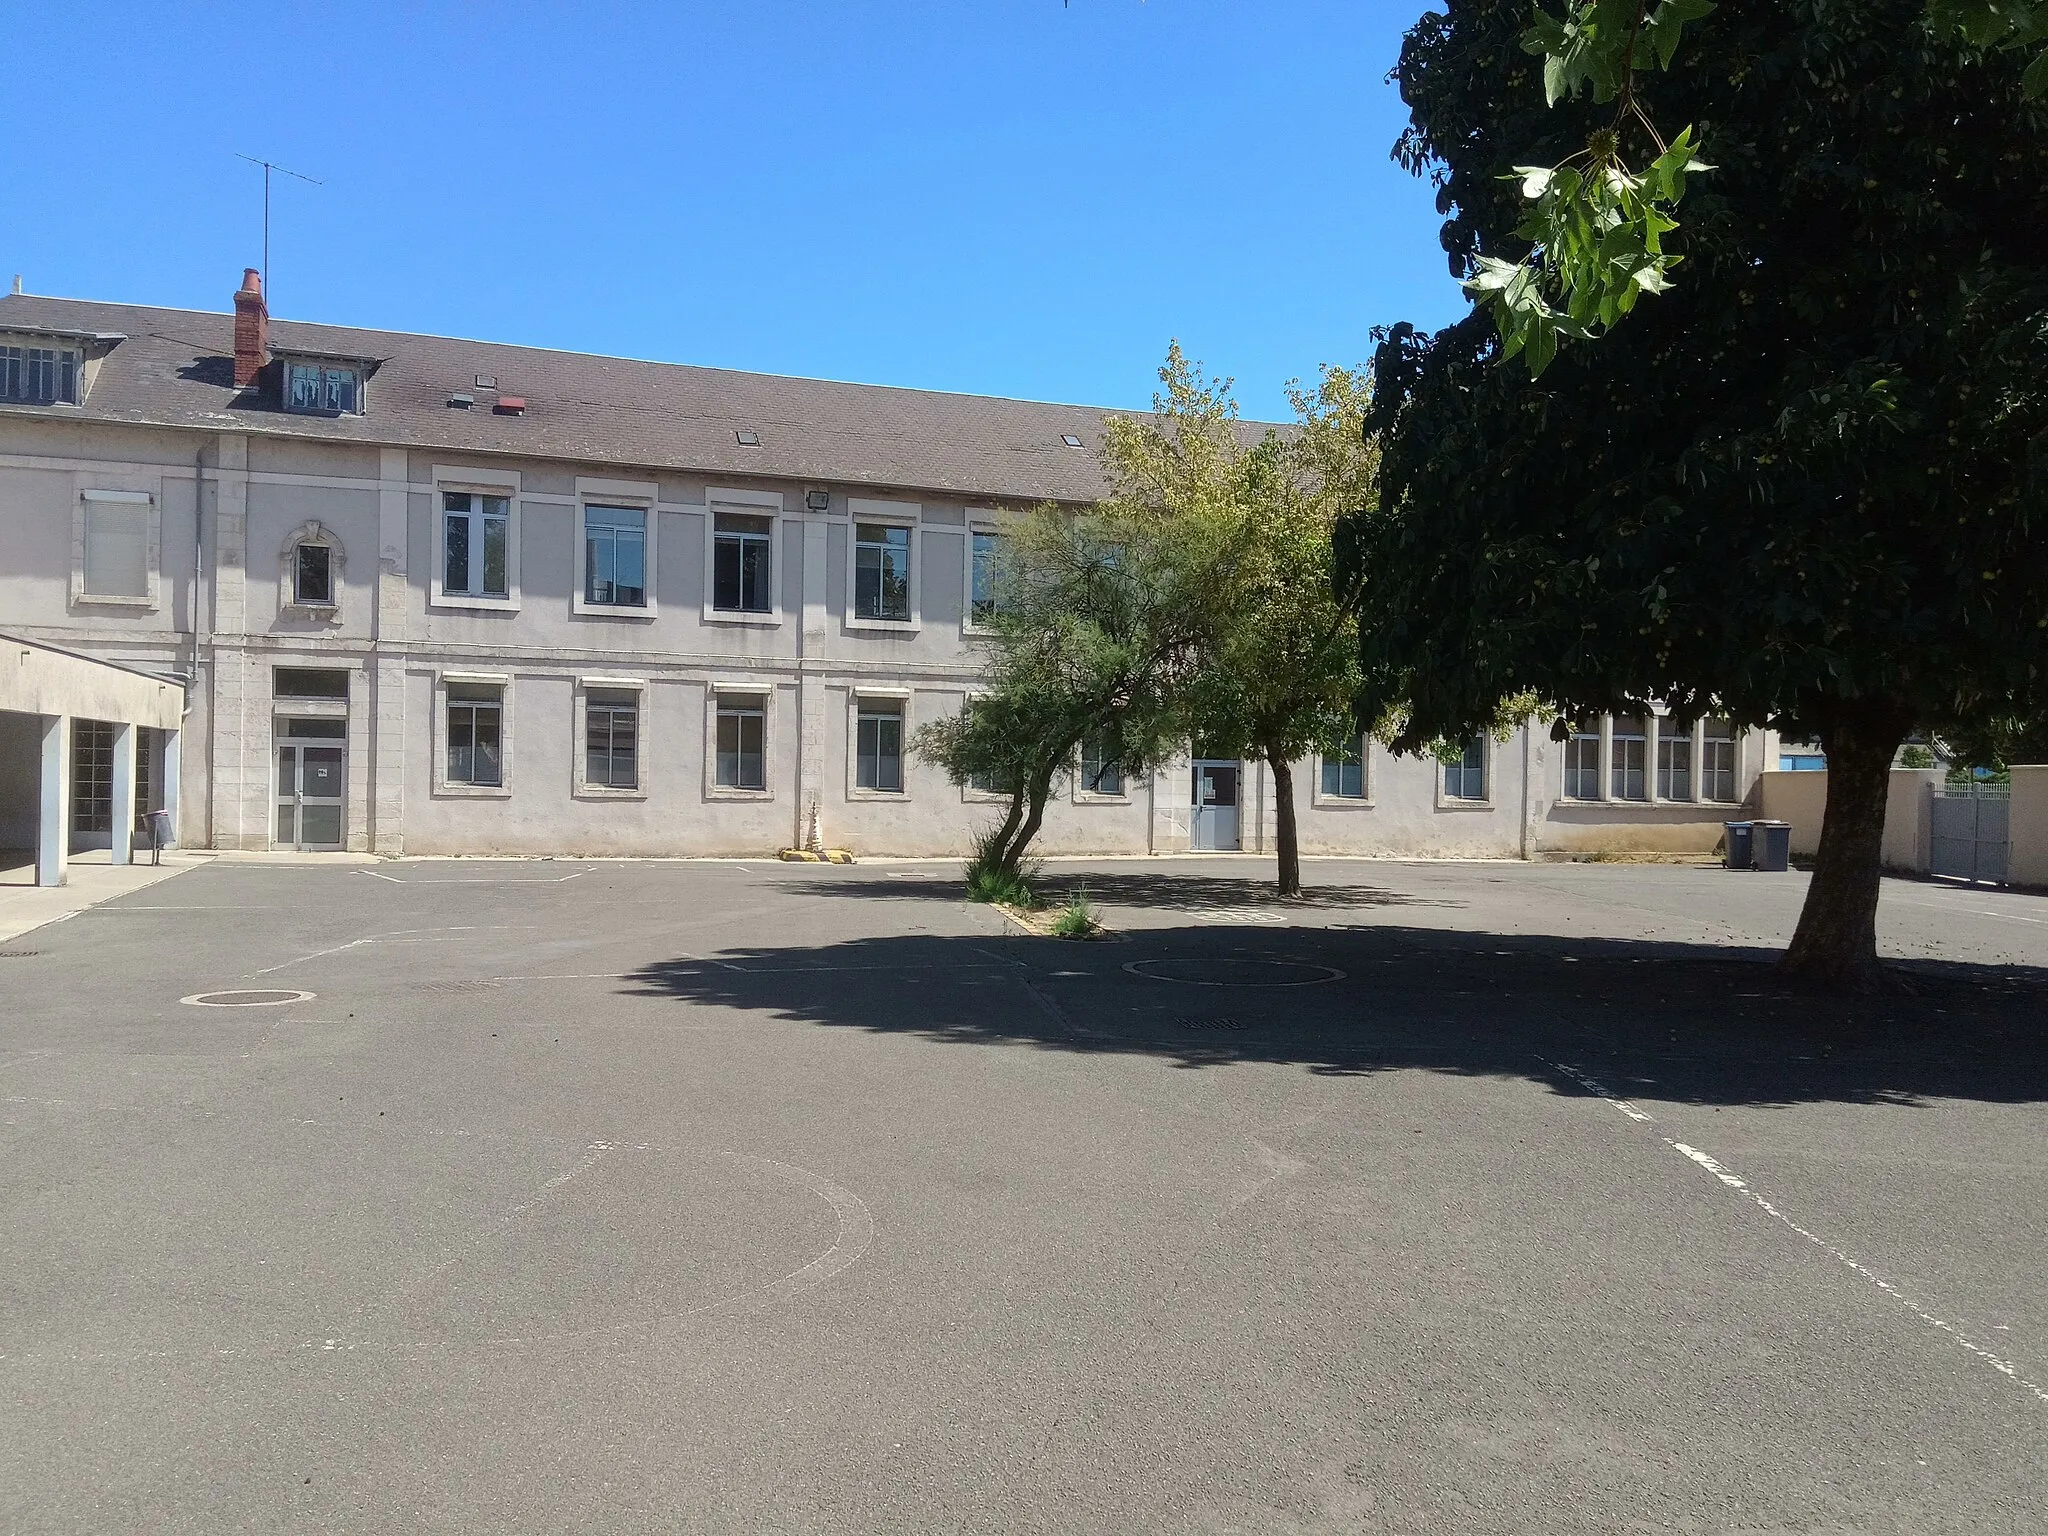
(311, 779)
(1215, 805)
(1970, 827)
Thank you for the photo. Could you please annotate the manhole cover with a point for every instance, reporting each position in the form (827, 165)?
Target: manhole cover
(1229, 971)
(243, 999)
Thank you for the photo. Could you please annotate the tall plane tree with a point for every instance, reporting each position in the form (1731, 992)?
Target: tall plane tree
(1805, 486)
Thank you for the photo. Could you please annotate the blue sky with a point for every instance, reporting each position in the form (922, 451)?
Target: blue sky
(999, 196)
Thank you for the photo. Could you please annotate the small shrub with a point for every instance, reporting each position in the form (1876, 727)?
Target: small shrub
(1076, 919)
(988, 881)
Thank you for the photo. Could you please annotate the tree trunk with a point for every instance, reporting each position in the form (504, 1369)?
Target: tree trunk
(998, 847)
(1285, 839)
(1835, 944)
(1038, 789)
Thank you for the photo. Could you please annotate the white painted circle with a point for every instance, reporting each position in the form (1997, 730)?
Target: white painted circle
(1323, 972)
(245, 997)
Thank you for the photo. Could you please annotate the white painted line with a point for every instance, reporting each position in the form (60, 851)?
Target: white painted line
(1595, 1089)
(228, 997)
(1728, 1177)
(1330, 972)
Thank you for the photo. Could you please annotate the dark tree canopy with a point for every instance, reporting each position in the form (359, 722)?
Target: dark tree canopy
(1807, 484)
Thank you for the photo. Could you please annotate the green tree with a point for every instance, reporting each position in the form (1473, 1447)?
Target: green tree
(1804, 487)
(1278, 664)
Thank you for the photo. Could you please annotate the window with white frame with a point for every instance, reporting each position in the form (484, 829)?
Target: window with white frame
(1101, 768)
(611, 738)
(1627, 777)
(742, 744)
(614, 556)
(476, 542)
(31, 375)
(878, 745)
(1717, 761)
(476, 734)
(742, 563)
(881, 572)
(984, 566)
(1465, 779)
(322, 388)
(1343, 769)
(1582, 762)
(1674, 759)
(116, 555)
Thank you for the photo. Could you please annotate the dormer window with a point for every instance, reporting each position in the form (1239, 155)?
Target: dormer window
(31, 375)
(323, 389)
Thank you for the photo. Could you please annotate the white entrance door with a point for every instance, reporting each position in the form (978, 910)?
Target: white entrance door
(312, 779)
(1215, 805)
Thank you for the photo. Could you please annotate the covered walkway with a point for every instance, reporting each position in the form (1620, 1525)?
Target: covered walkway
(87, 749)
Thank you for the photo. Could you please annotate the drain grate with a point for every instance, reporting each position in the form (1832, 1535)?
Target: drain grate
(1214, 1023)
(459, 988)
(19, 954)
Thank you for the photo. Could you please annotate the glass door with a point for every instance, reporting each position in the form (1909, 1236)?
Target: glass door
(312, 779)
(1216, 805)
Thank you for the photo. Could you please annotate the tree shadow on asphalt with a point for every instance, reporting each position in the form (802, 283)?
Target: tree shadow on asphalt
(1702, 1023)
(1150, 889)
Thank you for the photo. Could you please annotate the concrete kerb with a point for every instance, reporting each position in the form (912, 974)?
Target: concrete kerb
(90, 881)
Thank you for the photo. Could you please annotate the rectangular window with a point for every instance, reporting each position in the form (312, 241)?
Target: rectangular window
(1101, 772)
(1344, 769)
(1629, 746)
(1582, 762)
(310, 682)
(324, 389)
(881, 571)
(476, 535)
(615, 556)
(476, 734)
(742, 563)
(92, 776)
(1717, 761)
(313, 575)
(39, 375)
(985, 558)
(116, 548)
(742, 742)
(1466, 778)
(1674, 760)
(611, 718)
(984, 782)
(879, 745)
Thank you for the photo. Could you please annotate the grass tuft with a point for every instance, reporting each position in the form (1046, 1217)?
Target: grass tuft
(988, 881)
(1076, 919)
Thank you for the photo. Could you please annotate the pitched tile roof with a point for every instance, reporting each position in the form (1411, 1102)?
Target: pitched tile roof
(175, 368)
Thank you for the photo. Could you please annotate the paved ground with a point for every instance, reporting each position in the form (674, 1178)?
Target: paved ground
(643, 1197)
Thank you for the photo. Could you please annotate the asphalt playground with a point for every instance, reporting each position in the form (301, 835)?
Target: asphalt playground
(591, 1196)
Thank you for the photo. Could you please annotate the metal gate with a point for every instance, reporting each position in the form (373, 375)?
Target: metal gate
(1971, 832)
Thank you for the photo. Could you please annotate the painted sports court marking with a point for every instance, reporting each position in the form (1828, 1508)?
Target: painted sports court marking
(1735, 1181)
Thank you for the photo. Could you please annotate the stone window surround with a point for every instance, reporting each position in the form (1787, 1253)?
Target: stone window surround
(766, 693)
(903, 697)
(482, 482)
(1319, 801)
(641, 494)
(744, 503)
(902, 514)
(579, 756)
(442, 789)
(1446, 802)
(133, 494)
(316, 533)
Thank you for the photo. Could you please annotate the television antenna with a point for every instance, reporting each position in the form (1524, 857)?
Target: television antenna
(268, 167)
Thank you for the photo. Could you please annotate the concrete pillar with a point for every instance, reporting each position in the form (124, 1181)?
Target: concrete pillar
(1607, 757)
(1699, 760)
(53, 819)
(1650, 728)
(121, 816)
(386, 674)
(811, 698)
(172, 780)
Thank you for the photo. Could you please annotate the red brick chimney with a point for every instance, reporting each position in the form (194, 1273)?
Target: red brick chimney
(252, 328)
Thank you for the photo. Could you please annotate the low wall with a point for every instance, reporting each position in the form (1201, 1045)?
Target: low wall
(2029, 862)
(1801, 798)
